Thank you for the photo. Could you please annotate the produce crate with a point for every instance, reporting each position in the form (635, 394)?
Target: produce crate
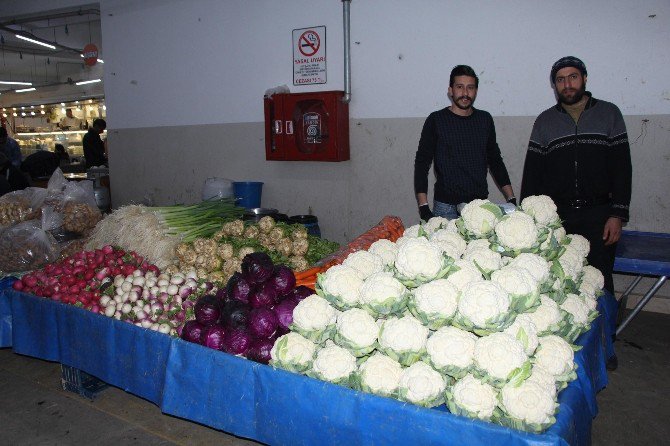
(78, 381)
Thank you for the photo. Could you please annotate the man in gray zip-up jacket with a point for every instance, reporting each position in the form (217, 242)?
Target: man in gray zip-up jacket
(579, 155)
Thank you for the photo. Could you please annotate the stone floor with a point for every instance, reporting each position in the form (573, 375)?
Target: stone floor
(34, 410)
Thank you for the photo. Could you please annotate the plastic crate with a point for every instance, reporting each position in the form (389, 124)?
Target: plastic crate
(80, 382)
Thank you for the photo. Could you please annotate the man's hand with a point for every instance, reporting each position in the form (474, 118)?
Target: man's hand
(425, 213)
(612, 231)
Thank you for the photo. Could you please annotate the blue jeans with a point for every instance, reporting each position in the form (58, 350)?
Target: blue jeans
(445, 210)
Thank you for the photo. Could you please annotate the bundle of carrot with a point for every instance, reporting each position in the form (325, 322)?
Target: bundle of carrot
(390, 227)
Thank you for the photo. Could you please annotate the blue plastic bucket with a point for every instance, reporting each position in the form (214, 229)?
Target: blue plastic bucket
(248, 193)
(310, 222)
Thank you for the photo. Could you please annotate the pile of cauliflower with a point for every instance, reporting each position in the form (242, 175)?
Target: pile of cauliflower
(478, 313)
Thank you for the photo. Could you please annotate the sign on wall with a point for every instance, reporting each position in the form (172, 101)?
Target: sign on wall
(309, 56)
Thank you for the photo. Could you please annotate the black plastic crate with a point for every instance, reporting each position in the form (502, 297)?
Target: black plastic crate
(78, 381)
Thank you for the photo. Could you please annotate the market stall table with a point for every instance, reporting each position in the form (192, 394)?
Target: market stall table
(274, 406)
(644, 254)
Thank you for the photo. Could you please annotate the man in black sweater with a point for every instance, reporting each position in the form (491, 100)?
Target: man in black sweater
(578, 155)
(460, 142)
(94, 148)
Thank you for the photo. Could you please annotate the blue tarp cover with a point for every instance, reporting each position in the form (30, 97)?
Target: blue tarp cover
(274, 406)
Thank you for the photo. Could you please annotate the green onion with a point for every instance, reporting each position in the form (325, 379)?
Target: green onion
(198, 220)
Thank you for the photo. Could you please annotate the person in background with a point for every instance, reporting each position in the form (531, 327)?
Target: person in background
(10, 147)
(69, 121)
(11, 178)
(579, 155)
(94, 148)
(63, 156)
(460, 142)
(40, 164)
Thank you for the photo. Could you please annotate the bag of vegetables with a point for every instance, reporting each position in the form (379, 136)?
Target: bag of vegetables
(80, 210)
(27, 245)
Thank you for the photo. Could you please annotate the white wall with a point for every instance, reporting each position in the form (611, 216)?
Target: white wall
(200, 62)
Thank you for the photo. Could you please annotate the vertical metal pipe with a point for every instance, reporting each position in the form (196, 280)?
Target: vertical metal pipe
(347, 54)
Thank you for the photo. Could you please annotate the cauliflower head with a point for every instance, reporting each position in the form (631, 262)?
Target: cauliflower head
(529, 406)
(357, 331)
(385, 249)
(480, 217)
(547, 317)
(592, 281)
(333, 364)
(380, 375)
(403, 339)
(451, 350)
(542, 208)
(499, 358)
(365, 263)
(580, 244)
(340, 285)
(544, 379)
(314, 318)
(576, 307)
(383, 294)
(422, 385)
(557, 357)
(485, 259)
(472, 398)
(535, 264)
(463, 272)
(420, 261)
(483, 302)
(434, 224)
(434, 303)
(517, 231)
(451, 243)
(522, 287)
(523, 329)
(292, 352)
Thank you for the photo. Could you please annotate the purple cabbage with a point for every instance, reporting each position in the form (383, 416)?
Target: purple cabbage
(260, 350)
(238, 288)
(263, 322)
(257, 267)
(212, 337)
(264, 296)
(284, 312)
(283, 280)
(235, 314)
(237, 342)
(207, 310)
(192, 331)
(301, 292)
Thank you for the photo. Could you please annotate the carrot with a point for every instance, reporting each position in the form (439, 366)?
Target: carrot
(308, 272)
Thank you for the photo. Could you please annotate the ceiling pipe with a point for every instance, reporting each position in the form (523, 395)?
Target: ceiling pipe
(347, 53)
(60, 15)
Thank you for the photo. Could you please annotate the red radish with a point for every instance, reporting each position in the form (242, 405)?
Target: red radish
(18, 285)
(29, 280)
(107, 249)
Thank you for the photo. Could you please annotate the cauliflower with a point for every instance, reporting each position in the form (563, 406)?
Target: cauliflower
(435, 224)
(592, 281)
(420, 261)
(383, 294)
(578, 317)
(463, 272)
(480, 217)
(523, 289)
(451, 243)
(365, 263)
(472, 398)
(571, 263)
(434, 303)
(485, 259)
(517, 231)
(450, 350)
(500, 358)
(333, 364)
(357, 331)
(380, 375)
(412, 231)
(314, 318)
(524, 330)
(537, 266)
(547, 317)
(340, 285)
(421, 385)
(580, 244)
(292, 352)
(480, 243)
(541, 208)
(483, 306)
(528, 407)
(385, 249)
(557, 357)
(590, 302)
(551, 247)
(544, 379)
(403, 339)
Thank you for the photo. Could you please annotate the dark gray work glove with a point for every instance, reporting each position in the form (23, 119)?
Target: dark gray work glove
(425, 213)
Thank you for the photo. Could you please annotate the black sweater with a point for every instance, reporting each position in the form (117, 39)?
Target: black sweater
(462, 148)
(588, 160)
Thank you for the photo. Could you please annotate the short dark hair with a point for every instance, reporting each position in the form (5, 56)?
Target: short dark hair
(59, 148)
(463, 70)
(3, 132)
(100, 124)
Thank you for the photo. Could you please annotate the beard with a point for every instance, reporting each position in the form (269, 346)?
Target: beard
(467, 105)
(569, 96)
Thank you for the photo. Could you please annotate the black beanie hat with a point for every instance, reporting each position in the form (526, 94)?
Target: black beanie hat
(568, 61)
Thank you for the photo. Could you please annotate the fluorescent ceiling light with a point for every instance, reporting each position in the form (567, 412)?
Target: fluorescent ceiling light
(93, 81)
(24, 90)
(15, 83)
(37, 42)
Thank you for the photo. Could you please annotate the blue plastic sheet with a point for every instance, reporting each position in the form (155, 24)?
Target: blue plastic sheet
(274, 406)
(5, 314)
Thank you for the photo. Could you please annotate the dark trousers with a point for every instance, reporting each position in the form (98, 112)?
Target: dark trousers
(590, 222)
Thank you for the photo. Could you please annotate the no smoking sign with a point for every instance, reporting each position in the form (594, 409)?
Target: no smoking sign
(309, 55)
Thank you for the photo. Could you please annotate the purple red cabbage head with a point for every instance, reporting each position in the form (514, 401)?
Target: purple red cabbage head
(283, 280)
(207, 310)
(301, 292)
(235, 314)
(260, 350)
(212, 337)
(284, 311)
(257, 267)
(238, 288)
(263, 322)
(237, 341)
(192, 331)
(264, 296)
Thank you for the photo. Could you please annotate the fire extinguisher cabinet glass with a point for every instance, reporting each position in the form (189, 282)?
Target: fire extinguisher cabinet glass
(307, 127)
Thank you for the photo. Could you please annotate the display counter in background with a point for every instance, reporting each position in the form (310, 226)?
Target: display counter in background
(274, 406)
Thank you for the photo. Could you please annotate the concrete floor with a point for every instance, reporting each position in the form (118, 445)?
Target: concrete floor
(634, 408)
